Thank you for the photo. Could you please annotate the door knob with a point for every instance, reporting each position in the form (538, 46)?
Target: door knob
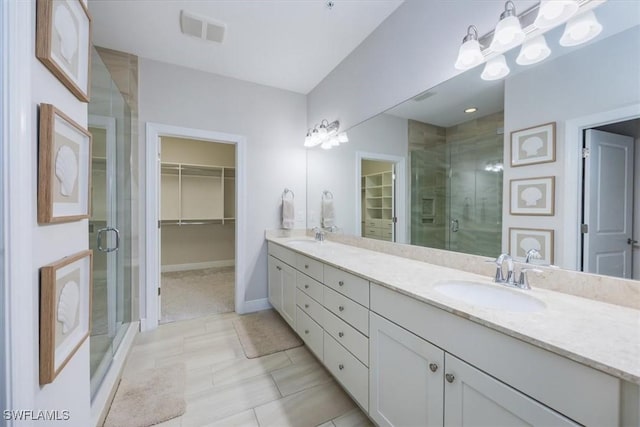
(341, 366)
(341, 308)
(341, 283)
(630, 241)
(340, 334)
(449, 377)
(433, 367)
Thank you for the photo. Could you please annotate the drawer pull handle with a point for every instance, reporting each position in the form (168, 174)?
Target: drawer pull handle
(341, 366)
(433, 367)
(306, 331)
(306, 266)
(341, 308)
(306, 286)
(306, 306)
(450, 377)
(341, 283)
(278, 268)
(340, 334)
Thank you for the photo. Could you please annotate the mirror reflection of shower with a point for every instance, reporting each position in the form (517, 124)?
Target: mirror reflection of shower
(456, 185)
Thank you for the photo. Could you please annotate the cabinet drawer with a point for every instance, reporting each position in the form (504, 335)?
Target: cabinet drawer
(352, 374)
(309, 266)
(347, 335)
(282, 254)
(371, 232)
(310, 332)
(347, 284)
(309, 286)
(386, 224)
(309, 306)
(349, 311)
(371, 223)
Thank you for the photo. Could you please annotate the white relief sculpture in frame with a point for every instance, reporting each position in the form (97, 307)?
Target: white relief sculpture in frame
(65, 307)
(522, 240)
(532, 196)
(63, 43)
(63, 168)
(533, 145)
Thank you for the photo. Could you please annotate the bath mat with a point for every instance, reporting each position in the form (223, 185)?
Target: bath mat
(149, 397)
(265, 333)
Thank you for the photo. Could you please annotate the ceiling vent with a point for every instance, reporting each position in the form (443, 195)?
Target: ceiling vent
(423, 96)
(201, 27)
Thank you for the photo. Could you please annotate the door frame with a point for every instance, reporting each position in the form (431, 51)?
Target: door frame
(149, 292)
(573, 173)
(400, 191)
(17, 303)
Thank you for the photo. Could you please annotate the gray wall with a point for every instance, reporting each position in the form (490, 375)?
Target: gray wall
(274, 124)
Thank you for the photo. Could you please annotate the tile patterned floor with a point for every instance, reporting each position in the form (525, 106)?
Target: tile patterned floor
(224, 388)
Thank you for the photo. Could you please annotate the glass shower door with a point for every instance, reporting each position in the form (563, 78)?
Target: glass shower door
(110, 222)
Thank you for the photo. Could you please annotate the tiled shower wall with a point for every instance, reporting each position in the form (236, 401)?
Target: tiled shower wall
(454, 178)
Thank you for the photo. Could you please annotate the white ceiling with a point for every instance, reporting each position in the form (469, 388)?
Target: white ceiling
(288, 44)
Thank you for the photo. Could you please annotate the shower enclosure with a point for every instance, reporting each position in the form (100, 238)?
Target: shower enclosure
(456, 187)
(110, 222)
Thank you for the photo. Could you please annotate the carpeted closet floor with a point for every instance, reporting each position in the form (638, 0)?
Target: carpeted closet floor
(196, 293)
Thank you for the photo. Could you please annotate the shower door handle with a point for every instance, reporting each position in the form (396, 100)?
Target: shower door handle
(455, 225)
(104, 231)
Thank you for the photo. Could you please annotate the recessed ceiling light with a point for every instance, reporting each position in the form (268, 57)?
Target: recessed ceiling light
(470, 110)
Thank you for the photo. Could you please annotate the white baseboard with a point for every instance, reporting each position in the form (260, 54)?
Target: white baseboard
(255, 305)
(197, 265)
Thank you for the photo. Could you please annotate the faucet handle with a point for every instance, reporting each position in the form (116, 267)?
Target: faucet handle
(523, 281)
(499, 278)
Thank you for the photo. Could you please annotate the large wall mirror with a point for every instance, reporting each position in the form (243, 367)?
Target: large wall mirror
(485, 167)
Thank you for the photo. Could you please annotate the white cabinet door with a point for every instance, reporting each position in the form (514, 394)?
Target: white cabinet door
(288, 310)
(473, 398)
(275, 282)
(405, 377)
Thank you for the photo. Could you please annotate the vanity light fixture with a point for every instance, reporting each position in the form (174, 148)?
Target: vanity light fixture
(508, 32)
(533, 51)
(326, 135)
(495, 69)
(470, 110)
(554, 12)
(581, 29)
(469, 54)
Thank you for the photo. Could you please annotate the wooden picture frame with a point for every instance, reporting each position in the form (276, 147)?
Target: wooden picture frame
(534, 145)
(63, 43)
(523, 239)
(65, 311)
(532, 196)
(64, 168)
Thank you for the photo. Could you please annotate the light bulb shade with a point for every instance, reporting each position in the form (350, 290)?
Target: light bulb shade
(326, 145)
(581, 29)
(508, 33)
(469, 55)
(533, 51)
(495, 69)
(334, 141)
(342, 137)
(554, 12)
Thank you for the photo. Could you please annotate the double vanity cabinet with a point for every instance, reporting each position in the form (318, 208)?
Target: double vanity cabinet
(410, 363)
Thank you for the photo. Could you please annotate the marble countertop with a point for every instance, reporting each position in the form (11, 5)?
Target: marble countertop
(597, 334)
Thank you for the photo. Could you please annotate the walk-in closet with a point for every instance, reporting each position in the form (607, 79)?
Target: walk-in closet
(197, 211)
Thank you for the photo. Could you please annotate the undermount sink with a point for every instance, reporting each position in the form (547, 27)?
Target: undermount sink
(489, 296)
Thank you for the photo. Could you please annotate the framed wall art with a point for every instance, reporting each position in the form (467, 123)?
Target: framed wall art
(64, 168)
(63, 43)
(533, 145)
(532, 196)
(523, 239)
(65, 311)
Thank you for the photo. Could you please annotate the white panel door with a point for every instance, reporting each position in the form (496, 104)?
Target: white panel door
(473, 398)
(608, 204)
(275, 282)
(405, 377)
(288, 277)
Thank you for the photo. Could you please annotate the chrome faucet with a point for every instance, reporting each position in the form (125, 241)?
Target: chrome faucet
(319, 234)
(523, 282)
(499, 277)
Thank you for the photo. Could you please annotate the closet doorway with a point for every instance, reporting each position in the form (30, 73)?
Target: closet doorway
(197, 228)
